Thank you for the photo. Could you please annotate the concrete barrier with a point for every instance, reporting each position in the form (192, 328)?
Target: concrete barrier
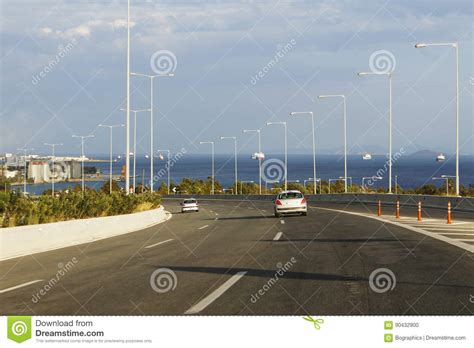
(461, 204)
(26, 240)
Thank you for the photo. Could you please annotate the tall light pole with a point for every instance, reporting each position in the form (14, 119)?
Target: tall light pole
(111, 127)
(235, 158)
(455, 45)
(212, 146)
(24, 158)
(82, 137)
(242, 185)
(314, 143)
(286, 150)
(127, 152)
(259, 157)
(345, 132)
(151, 77)
(389, 74)
(168, 155)
(53, 147)
(135, 143)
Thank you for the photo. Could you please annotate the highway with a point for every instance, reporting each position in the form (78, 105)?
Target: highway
(235, 258)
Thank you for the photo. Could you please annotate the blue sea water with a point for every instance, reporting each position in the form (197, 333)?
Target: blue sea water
(411, 171)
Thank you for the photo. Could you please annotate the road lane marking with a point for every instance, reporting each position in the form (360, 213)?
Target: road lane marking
(278, 235)
(457, 234)
(201, 305)
(159, 243)
(203, 227)
(282, 222)
(20, 286)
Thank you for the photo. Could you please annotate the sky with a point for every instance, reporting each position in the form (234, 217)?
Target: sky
(237, 65)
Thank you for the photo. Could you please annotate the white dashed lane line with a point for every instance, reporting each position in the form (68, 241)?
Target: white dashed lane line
(278, 236)
(201, 305)
(282, 222)
(159, 243)
(20, 286)
(203, 227)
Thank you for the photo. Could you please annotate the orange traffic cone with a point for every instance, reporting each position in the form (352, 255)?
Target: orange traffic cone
(449, 213)
(379, 210)
(419, 211)
(397, 213)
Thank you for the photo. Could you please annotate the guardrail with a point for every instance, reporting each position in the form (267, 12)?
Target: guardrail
(461, 204)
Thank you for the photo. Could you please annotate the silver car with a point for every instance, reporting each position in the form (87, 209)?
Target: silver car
(290, 202)
(189, 204)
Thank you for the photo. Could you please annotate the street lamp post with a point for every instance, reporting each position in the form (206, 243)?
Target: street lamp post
(242, 185)
(53, 147)
(235, 158)
(24, 175)
(314, 143)
(212, 147)
(111, 127)
(345, 132)
(446, 180)
(151, 77)
(390, 75)
(259, 157)
(455, 45)
(286, 150)
(329, 186)
(135, 143)
(82, 137)
(374, 178)
(168, 155)
(347, 178)
(127, 108)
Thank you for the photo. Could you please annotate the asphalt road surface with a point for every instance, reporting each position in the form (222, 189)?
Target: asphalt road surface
(235, 258)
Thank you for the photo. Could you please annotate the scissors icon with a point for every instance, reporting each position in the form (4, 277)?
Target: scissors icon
(316, 322)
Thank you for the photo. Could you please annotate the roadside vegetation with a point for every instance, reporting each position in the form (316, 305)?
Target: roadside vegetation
(18, 210)
(196, 187)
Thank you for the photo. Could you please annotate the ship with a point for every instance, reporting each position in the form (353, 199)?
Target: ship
(440, 158)
(367, 156)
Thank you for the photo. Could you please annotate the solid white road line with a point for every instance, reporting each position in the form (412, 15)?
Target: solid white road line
(20, 286)
(203, 227)
(450, 229)
(278, 236)
(159, 243)
(456, 234)
(201, 305)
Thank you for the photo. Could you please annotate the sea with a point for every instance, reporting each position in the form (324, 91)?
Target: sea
(411, 171)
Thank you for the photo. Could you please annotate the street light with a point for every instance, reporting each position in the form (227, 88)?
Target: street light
(168, 155)
(329, 187)
(346, 178)
(135, 143)
(314, 144)
(82, 137)
(389, 74)
(24, 158)
(446, 178)
(374, 178)
(286, 150)
(242, 185)
(212, 147)
(151, 77)
(259, 157)
(235, 158)
(53, 147)
(111, 127)
(455, 45)
(345, 132)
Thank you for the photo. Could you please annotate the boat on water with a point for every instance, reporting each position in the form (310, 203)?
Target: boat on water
(367, 156)
(440, 158)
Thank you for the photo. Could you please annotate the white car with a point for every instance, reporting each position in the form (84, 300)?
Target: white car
(290, 202)
(189, 204)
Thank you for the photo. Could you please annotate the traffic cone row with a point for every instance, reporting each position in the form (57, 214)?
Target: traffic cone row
(397, 211)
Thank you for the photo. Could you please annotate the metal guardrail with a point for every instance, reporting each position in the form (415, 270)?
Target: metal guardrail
(461, 204)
